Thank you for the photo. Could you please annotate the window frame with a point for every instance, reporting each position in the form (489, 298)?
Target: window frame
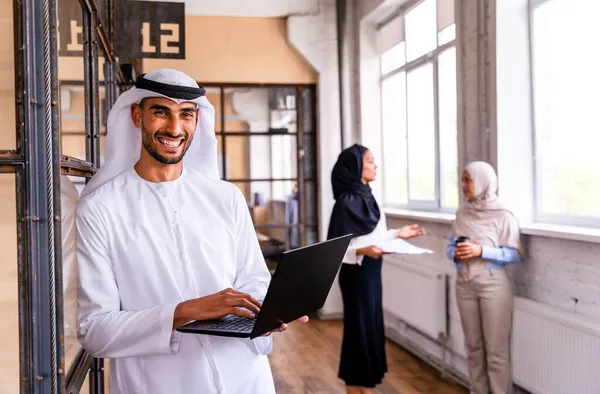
(429, 57)
(539, 216)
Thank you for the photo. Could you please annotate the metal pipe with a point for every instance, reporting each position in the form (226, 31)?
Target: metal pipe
(92, 125)
(79, 368)
(97, 376)
(10, 158)
(300, 164)
(25, 342)
(38, 220)
(436, 132)
(479, 109)
(486, 81)
(340, 14)
(35, 69)
(54, 192)
(223, 143)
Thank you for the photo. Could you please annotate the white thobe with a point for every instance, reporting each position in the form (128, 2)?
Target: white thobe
(376, 237)
(145, 247)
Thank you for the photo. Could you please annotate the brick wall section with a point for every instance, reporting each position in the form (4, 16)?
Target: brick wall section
(561, 273)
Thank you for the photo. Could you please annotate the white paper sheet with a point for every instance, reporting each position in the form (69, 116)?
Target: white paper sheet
(400, 246)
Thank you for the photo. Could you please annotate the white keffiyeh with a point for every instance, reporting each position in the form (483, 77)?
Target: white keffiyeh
(124, 140)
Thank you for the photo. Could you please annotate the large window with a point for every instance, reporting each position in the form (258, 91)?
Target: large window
(267, 147)
(419, 107)
(565, 106)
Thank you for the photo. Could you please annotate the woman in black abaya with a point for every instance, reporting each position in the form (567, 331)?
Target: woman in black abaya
(363, 362)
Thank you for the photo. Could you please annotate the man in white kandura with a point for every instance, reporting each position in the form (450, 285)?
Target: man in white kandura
(162, 241)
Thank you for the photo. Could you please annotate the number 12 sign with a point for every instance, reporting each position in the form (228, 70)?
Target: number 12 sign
(143, 29)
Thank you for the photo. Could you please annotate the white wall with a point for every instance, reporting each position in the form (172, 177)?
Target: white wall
(315, 38)
(243, 8)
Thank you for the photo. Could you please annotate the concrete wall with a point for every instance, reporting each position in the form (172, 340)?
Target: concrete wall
(233, 49)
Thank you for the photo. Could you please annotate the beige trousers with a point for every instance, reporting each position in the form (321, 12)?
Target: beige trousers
(485, 305)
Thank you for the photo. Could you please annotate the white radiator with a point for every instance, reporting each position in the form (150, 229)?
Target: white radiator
(553, 351)
(416, 295)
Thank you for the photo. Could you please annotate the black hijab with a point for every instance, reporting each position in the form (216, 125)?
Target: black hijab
(355, 211)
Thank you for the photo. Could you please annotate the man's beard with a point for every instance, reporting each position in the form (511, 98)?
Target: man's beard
(149, 144)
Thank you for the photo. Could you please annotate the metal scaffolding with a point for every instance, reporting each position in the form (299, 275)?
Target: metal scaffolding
(37, 165)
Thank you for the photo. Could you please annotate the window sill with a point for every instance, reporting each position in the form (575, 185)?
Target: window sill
(434, 217)
(575, 233)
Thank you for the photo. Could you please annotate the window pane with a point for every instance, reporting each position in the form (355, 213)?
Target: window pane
(566, 105)
(421, 134)
(213, 95)
(260, 156)
(447, 127)
(421, 30)
(447, 35)
(393, 102)
(266, 194)
(284, 163)
(393, 58)
(268, 207)
(245, 109)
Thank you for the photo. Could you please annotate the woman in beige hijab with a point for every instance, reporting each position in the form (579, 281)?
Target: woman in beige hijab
(483, 289)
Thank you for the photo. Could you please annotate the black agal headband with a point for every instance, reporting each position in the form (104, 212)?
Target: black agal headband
(173, 91)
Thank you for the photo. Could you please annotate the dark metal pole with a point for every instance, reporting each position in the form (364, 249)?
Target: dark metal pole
(223, 144)
(23, 266)
(97, 376)
(301, 176)
(76, 376)
(90, 60)
(38, 201)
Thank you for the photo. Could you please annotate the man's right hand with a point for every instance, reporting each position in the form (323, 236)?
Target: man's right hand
(214, 306)
(372, 251)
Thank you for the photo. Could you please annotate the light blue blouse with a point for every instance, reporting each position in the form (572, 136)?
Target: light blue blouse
(498, 257)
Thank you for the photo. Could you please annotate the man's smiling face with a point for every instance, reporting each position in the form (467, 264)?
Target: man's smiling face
(167, 127)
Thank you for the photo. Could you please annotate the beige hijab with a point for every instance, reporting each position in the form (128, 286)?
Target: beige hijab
(484, 219)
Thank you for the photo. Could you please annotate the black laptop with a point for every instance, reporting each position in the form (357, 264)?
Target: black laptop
(299, 286)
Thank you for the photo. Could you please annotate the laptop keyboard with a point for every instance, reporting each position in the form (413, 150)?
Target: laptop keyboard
(234, 323)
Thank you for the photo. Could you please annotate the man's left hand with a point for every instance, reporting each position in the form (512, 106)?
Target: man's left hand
(303, 319)
(410, 231)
